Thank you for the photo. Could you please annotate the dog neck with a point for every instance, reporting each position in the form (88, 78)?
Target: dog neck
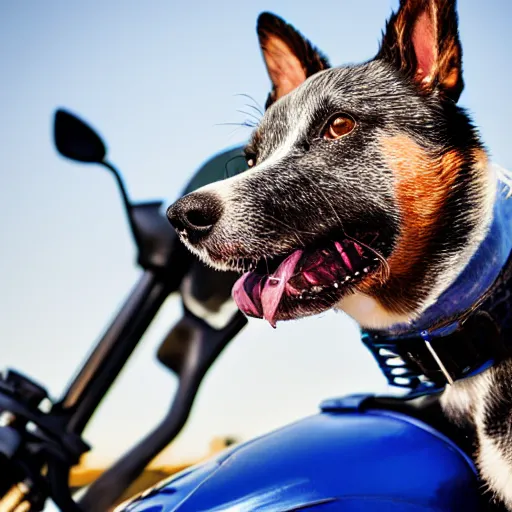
(464, 283)
(477, 276)
(468, 328)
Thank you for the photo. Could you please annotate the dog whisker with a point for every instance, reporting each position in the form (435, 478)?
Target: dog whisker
(256, 119)
(385, 264)
(303, 174)
(295, 230)
(246, 124)
(256, 109)
(260, 109)
(232, 133)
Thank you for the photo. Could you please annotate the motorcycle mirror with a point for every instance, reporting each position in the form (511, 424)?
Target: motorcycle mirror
(76, 140)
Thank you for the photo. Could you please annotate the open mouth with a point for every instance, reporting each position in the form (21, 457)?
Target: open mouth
(305, 281)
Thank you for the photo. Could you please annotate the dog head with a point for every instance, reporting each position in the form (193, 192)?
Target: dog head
(367, 189)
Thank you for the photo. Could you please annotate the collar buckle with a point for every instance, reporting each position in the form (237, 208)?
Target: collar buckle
(426, 338)
(427, 361)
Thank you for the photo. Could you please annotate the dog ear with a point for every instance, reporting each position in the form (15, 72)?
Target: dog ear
(422, 41)
(290, 58)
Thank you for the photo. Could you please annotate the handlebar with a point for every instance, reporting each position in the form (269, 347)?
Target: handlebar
(41, 441)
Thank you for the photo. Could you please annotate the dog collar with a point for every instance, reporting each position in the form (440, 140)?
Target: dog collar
(467, 329)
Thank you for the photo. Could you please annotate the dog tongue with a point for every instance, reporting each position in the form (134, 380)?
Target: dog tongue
(275, 285)
(252, 282)
(267, 291)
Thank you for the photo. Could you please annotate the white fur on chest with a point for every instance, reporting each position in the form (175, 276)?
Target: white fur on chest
(368, 312)
(466, 400)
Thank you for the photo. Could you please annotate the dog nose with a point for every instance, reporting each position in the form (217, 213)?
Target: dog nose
(195, 214)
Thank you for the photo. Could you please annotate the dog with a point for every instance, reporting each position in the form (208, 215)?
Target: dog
(368, 190)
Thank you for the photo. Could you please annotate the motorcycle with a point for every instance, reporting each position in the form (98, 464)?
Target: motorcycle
(358, 453)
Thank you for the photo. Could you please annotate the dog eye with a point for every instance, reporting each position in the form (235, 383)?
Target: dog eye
(338, 127)
(251, 160)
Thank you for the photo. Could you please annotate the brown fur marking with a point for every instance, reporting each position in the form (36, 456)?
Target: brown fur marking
(422, 184)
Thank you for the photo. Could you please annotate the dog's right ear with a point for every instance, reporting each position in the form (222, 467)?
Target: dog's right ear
(290, 58)
(422, 41)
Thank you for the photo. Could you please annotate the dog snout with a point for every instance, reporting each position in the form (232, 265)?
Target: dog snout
(195, 215)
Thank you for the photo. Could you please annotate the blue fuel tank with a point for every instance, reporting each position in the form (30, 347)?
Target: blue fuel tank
(342, 459)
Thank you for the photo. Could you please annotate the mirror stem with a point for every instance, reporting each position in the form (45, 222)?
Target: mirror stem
(126, 200)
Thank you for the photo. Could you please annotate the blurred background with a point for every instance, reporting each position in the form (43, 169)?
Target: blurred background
(160, 80)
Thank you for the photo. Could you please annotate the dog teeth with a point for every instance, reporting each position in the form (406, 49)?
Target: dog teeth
(347, 278)
(356, 273)
(336, 285)
(366, 269)
(316, 289)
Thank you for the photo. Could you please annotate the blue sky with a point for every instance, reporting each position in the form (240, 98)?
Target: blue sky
(158, 79)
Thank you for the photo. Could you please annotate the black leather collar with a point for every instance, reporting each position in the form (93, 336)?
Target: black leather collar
(457, 348)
